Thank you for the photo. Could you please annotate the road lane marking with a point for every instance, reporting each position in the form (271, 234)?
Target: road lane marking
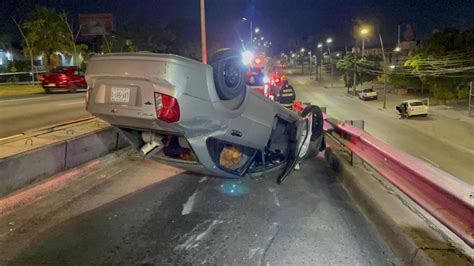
(71, 103)
(188, 206)
(24, 99)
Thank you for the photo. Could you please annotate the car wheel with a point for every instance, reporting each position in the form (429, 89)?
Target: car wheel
(318, 120)
(229, 74)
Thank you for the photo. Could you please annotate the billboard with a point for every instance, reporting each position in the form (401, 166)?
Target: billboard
(96, 24)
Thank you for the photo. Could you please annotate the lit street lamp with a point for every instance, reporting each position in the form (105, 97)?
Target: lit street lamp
(364, 32)
(302, 50)
(320, 45)
(257, 30)
(397, 49)
(329, 41)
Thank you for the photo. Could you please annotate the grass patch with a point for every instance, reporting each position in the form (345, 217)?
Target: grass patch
(20, 89)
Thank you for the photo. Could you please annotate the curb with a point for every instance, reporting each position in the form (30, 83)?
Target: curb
(418, 245)
(56, 182)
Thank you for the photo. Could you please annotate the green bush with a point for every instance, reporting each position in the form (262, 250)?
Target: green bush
(440, 93)
(444, 94)
(463, 93)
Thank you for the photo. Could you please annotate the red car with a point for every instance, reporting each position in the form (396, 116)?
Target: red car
(65, 78)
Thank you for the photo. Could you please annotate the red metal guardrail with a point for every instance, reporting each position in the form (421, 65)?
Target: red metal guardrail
(445, 197)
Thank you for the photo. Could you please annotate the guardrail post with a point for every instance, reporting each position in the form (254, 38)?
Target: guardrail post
(358, 124)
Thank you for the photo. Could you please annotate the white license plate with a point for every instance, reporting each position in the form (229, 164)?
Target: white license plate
(51, 85)
(120, 95)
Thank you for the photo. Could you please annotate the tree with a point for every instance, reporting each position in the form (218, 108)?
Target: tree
(46, 34)
(72, 36)
(365, 70)
(445, 61)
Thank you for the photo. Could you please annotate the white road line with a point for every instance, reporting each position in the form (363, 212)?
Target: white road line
(24, 99)
(430, 161)
(72, 103)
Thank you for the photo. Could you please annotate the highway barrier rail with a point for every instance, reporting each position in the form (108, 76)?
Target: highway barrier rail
(442, 195)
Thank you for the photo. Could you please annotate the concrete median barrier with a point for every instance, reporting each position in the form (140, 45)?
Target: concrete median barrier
(24, 168)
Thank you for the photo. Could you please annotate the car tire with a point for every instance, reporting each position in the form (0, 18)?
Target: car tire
(229, 74)
(318, 121)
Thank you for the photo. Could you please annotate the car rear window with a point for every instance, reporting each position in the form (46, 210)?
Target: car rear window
(58, 70)
(368, 90)
(416, 104)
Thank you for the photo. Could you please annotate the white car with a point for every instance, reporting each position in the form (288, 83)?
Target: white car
(367, 94)
(412, 108)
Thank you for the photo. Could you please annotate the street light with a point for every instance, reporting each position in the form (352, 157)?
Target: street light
(320, 45)
(363, 33)
(257, 30)
(329, 41)
(251, 31)
(302, 50)
(261, 38)
(397, 49)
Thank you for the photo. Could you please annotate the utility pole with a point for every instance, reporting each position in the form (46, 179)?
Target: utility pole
(332, 68)
(251, 35)
(203, 32)
(471, 94)
(354, 87)
(384, 73)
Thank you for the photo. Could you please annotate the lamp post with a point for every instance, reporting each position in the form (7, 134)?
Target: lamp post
(203, 32)
(363, 32)
(384, 72)
(329, 41)
(320, 46)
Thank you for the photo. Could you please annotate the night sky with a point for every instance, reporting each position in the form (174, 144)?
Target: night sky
(280, 20)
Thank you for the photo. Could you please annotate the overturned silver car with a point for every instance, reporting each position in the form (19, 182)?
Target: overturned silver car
(200, 117)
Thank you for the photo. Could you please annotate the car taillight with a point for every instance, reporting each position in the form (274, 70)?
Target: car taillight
(62, 77)
(88, 97)
(41, 77)
(167, 108)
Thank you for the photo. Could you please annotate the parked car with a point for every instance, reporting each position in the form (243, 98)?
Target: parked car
(412, 108)
(200, 117)
(368, 94)
(64, 78)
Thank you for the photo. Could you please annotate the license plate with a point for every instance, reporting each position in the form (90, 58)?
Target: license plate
(51, 85)
(120, 95)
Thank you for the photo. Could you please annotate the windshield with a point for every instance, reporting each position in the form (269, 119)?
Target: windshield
(368, 90)
(416, 104)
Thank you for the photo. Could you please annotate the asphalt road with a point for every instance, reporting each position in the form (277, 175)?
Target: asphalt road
(443, 142)
(141, 212)
(22, 113)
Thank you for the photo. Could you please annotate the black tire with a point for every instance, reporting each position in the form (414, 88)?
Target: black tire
(318, 121)
(229, 74)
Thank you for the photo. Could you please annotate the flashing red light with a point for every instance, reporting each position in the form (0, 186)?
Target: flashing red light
(277, 80)
(167, 108)
(258, 61)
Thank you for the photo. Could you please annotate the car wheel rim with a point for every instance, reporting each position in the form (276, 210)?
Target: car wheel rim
(232, 75)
